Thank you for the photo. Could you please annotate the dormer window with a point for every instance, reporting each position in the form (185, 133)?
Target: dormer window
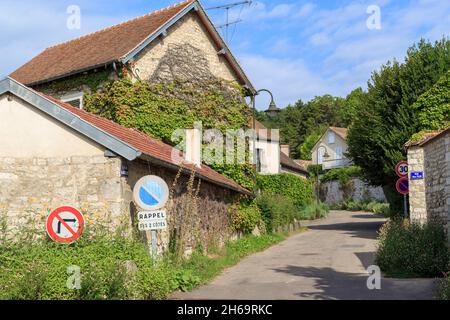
(331, 137)
(74, 99)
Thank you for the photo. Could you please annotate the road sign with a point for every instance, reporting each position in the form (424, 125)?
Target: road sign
(150, 225)
(416, 175)
(403, 186)
(65, 225)
(151, 193)
(402, 169)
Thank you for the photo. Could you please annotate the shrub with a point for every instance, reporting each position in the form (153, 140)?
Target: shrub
(444, 288)
(39, 270)
(412, 250)
(314, 211)
(245, 216)
(342, 175)
(299, 190)
(276, 210)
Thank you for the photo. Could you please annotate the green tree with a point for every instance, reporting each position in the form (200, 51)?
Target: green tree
(433, 107)
(351, 105)
(386, 119)
(296, 122)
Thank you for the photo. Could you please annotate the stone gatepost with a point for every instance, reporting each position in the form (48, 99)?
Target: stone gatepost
(417, 193)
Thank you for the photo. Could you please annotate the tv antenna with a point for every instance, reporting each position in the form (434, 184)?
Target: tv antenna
(227, 8)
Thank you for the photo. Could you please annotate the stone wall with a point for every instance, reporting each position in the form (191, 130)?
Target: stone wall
(186, 53)
(430, 197)
(334, 193)
(32, 187)
(207, 226)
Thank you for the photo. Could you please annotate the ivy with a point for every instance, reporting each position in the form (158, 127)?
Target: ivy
(160, 109)
(434, 105)
(299, 190)
(93, 80)
(343, 175)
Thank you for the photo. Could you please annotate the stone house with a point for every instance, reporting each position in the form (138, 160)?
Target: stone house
(54, 154)
(330, 149)
(178, 43)
(273, 158)
(429, 177)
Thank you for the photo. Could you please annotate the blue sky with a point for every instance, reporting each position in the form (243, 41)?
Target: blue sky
(297, 49)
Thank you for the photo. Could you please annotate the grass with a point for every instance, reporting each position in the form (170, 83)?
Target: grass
(38, 270)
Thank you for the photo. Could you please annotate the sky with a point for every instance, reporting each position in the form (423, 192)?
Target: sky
(297, 49)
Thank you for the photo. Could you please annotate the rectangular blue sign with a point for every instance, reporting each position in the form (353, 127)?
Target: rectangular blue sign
(416, 175)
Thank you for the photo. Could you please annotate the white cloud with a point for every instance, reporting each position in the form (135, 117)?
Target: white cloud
(288, 79)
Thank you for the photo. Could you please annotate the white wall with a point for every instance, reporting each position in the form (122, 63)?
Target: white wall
(27, 132)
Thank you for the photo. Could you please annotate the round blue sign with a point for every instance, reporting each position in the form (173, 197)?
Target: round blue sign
(151, 193)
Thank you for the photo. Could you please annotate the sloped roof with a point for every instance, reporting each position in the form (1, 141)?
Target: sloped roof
(126, 142)
(427, 137)
(119, 43)
(342, 132)
(303, 163)
(289, 163)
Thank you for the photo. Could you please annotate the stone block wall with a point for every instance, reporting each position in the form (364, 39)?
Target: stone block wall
(430, 197)
(333, 192)
(32, 187)
(208, 226)
(417, 196)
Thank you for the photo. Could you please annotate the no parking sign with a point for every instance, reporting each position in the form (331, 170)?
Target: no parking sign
(65, 225)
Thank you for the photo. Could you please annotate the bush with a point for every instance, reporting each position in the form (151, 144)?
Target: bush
(372, 206)
(299, 190)
(342, 175)
(412, 250)
(276, 210)
(245, 216)
(444, 288)
(39, 270)
(314, 211)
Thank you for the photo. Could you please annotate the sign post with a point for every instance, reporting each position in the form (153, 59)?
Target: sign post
(403, 183)
(151, 193)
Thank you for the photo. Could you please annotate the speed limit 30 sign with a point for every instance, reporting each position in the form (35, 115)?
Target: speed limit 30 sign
(402, 169)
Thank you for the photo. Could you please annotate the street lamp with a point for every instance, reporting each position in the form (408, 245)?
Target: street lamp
(325, 155)
(271, 112)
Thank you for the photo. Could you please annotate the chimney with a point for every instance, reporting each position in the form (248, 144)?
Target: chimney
(193, 153)
(285, 149)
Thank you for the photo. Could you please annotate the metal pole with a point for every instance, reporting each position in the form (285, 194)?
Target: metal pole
(405, 203)
(254, 144)
(154, 245)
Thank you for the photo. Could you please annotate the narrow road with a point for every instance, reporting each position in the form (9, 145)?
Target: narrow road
(328, 261)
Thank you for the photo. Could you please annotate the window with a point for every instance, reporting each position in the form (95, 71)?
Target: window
(74, 99)
(259, 160)
(331, 137)
(338, 152)
(321, 154)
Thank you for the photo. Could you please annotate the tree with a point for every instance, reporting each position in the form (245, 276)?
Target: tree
(351, 105)
(433, 107)
(310, 141)
(387, 119)
(296, 122)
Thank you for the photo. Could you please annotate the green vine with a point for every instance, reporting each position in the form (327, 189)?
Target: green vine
(160, 109)
(93, 80)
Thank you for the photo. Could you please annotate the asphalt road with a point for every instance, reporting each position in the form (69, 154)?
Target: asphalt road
(329, 261)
